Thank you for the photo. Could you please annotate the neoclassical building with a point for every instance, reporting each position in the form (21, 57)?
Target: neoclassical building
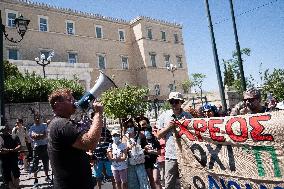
(135, 52)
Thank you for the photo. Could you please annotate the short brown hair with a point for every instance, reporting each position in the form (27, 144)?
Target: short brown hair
(58, 95)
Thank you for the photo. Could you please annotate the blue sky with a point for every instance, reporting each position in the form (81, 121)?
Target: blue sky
(260, 28)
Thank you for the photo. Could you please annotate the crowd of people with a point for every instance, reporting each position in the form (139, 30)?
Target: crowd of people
(139, 156)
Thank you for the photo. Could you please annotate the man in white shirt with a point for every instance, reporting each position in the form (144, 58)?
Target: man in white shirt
(166, 127)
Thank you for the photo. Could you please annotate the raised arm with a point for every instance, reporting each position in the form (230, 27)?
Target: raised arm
(90, 139)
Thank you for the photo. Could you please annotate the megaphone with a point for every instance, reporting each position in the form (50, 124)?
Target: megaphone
(103, 84)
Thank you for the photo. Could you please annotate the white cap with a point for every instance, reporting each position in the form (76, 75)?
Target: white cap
(176, 96)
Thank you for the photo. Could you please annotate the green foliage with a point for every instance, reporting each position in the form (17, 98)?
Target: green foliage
(166, 106)
(274, 83)
(229, 76)
(126, 101)
(11, 70)
(33, 88)
(197, 79)
(186, 85)
(232, 76)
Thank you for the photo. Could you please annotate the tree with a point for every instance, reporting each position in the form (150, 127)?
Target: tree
(186, 85)
(124, 102)
(11, 70)
(274, 83)
(232, 76)
(19, 88)
(197, 79)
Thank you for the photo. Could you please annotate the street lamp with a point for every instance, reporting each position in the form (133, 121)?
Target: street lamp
(44, 62)
(22, 25)
(172, 68)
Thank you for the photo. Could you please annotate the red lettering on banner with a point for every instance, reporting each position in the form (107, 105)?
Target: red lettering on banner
(257, 128)
(213, 130)
(198, 129)
(183, 129)
(243, 128)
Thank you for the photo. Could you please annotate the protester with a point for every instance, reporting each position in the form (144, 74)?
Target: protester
(152, 149)
(67, 145)
(252, 102)
(166, 126)
(161, 157)
(137, 176)
(38, 134)
(10, 145)
(20, 131)
(117, 154)
(101, 161)
(210, 111)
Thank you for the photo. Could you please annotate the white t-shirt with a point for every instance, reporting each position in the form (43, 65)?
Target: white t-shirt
(21, 133)
(117, 151)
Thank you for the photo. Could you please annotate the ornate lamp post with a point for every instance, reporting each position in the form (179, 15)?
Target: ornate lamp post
(44, 62)
(22, 25)
(172, 68)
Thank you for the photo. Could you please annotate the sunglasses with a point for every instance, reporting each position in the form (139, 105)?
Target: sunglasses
(174, 101)
(249, 100)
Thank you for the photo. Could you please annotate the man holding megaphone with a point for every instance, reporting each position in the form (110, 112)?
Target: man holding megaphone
(67, 144)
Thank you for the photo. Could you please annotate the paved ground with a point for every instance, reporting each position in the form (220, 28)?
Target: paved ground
(27, 181)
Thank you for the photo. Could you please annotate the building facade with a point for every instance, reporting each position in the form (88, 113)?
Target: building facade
(136, 52)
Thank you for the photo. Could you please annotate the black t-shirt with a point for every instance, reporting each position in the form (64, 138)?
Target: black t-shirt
(10, 142)
(150, 158)
(70, 165)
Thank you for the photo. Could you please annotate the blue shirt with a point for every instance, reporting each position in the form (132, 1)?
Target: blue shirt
(38, 129)
(163, 121)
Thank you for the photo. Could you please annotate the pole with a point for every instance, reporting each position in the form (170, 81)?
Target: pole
(43, 71)
(2, 104)
(216, 60)
(238, 47)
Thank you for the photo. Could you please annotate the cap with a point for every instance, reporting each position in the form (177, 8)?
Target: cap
(176, 96)
(252, 93)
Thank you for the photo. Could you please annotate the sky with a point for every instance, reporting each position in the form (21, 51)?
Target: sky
(260, 27)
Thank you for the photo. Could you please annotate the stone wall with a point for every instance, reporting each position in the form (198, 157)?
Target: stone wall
(26, 111)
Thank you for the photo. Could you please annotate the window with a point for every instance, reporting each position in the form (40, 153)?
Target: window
(153, 60)
(171, 87)
(124, 61)
(11, 16)
(70, 29)
(179, 61)
(167, 60)
(45, 52)
(157, 89)
(43, 24)
(121, 35)
(176, 38)
(13, 54)
(99, 32)
(101, 62)
(149, 33)
(163, 34)
(72, 58)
